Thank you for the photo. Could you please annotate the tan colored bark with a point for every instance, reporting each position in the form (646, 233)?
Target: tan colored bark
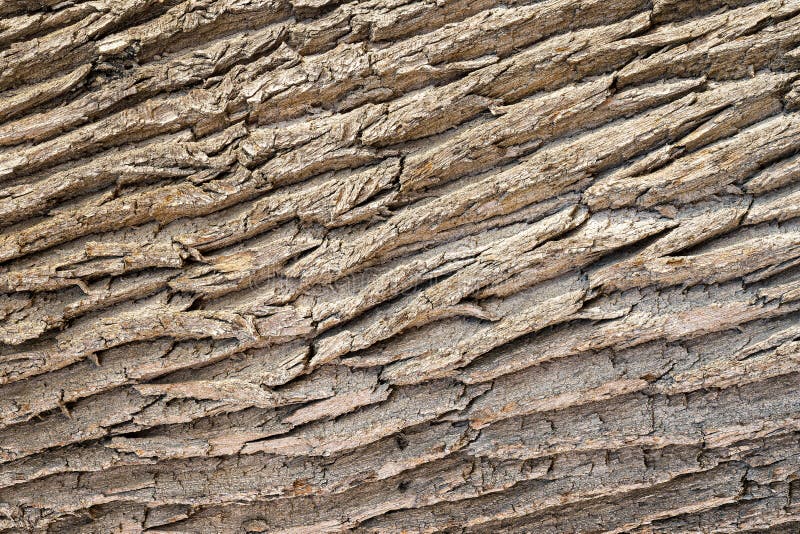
(310, 266)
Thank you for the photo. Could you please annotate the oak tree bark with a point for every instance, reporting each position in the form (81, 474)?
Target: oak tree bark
(399, 266)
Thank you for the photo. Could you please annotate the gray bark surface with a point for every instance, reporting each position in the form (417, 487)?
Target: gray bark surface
(308, 266)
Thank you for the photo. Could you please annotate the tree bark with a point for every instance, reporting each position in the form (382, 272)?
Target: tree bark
(399, 266)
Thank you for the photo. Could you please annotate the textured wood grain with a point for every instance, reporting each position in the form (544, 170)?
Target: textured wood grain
(311, 266)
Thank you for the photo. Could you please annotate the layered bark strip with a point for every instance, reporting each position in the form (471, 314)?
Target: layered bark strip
(311, 266)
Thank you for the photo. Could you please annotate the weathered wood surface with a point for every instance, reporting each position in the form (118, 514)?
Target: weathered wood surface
(399, 266)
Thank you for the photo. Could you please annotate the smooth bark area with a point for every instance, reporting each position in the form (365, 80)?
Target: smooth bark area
(309, 266)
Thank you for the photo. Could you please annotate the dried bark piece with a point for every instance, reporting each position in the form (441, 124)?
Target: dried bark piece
(540, 176)
(525, 126)
(66, 48)
(399, 265)
(691, 315)
(712, 168)
(24, 100)
(435, 301)
(169, 74)
(731, 49)
(206, 19)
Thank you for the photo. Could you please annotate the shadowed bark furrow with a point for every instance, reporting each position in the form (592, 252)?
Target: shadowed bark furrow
(399, 266)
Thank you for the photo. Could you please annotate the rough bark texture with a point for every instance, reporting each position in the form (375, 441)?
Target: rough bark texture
(399, 266)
